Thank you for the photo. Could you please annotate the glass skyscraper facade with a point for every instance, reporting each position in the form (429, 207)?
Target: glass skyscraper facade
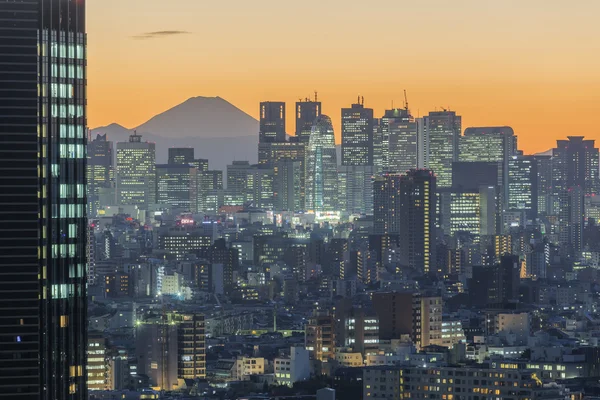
(43, 309)
(306, 113)
(100, 170)
(136, 172)
(177, 186)
(439, 144)
(402, 144)
(321, 167)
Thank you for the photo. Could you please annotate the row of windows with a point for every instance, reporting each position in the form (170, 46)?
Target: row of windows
(71, 131)
(73, 151)
(67, 71)
(65, 51)
(72, 190)
(66, 111)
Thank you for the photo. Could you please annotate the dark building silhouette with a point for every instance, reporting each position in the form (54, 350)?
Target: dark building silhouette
(357, 135)
(495, 286)
(272, 122)
(181, 155)
(306, 113)
(417, 214)
(470, 176)
(386, 204)
(575, 163)
(43, 310)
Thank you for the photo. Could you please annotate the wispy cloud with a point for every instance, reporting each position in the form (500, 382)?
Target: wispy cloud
(159, 34)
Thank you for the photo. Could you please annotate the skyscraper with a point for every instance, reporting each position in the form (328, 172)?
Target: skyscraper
(438, 144)
(417, 214)
(272, 122)
(402, 143)
(321, 167)
(306, 113)
(386, 204)
(381, 140)
(544, 184)
(288, 185)
(575, 163)
(136, 176)
(43, 306)
(177, 186)
(181, 155)
(237, 179)
(357, 135)
(355, 185)
(100, 170)
(490, 144)
(523, 185)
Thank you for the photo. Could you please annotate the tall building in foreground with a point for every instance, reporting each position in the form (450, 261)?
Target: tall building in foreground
(100, 170)
(272, 122)
(418, 216)
(306, 113)
(321, 167)
(438, 144)
(357, 135)
(43, 310)
(136, 176)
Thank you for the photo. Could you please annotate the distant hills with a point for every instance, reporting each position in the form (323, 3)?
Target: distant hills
(215, 128)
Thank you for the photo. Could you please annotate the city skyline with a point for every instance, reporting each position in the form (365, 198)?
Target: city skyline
(504, 64)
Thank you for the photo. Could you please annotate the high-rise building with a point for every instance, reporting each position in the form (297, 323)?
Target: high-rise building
(357, 135)
(100, 170)
(320, 337)
(523, 185)
(306, 113)
(544, 184)
(381, 140)
(417, 216)
(471, 211)
(288, 185)
(259, 187)
(43, 306)
(98, 366)
(575, 163)
(438, 144)
(272, 122)
(571, 214)
(402, 144)
(497, 285)
(321, 167)
(177, 186)
(356, 189)
(386, 204)
(496, 144)
(237, 176)
(181, 155)
(136, 172)
(201, 164)
(270, 153)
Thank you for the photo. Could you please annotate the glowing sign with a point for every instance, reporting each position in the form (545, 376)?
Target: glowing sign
(186, 221)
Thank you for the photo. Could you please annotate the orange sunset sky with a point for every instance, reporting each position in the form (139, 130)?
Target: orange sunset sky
(530, 64)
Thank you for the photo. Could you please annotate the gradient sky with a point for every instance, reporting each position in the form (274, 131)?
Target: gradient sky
(530, 64)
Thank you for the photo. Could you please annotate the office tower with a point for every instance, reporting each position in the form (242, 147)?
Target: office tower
(417, 215)
(306, 113)
(43, 306)
(471, 211)
(402, 144)
(181, 155)
(272, 122)
(201, 164)
(571, 214)
(523, 185)
(544, 184)
(419, 316)
(497, 285)
(259, 187)
(381, 140)
(270, 153)
(136, 172)
(575, 163)
(438, 144)
(288, 186)
(100, 171)
(177, 187)
(356, 189)
(178, 242)
(490, 144)
(386, 204)
(357, 135)
(236, 180)
(321, 167)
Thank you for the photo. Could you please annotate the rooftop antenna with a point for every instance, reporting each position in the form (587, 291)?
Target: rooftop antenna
(405, 101)
(316, 96)
(358, 100)
(363, 100)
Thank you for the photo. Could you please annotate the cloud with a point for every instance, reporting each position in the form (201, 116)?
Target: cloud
(159, 34)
